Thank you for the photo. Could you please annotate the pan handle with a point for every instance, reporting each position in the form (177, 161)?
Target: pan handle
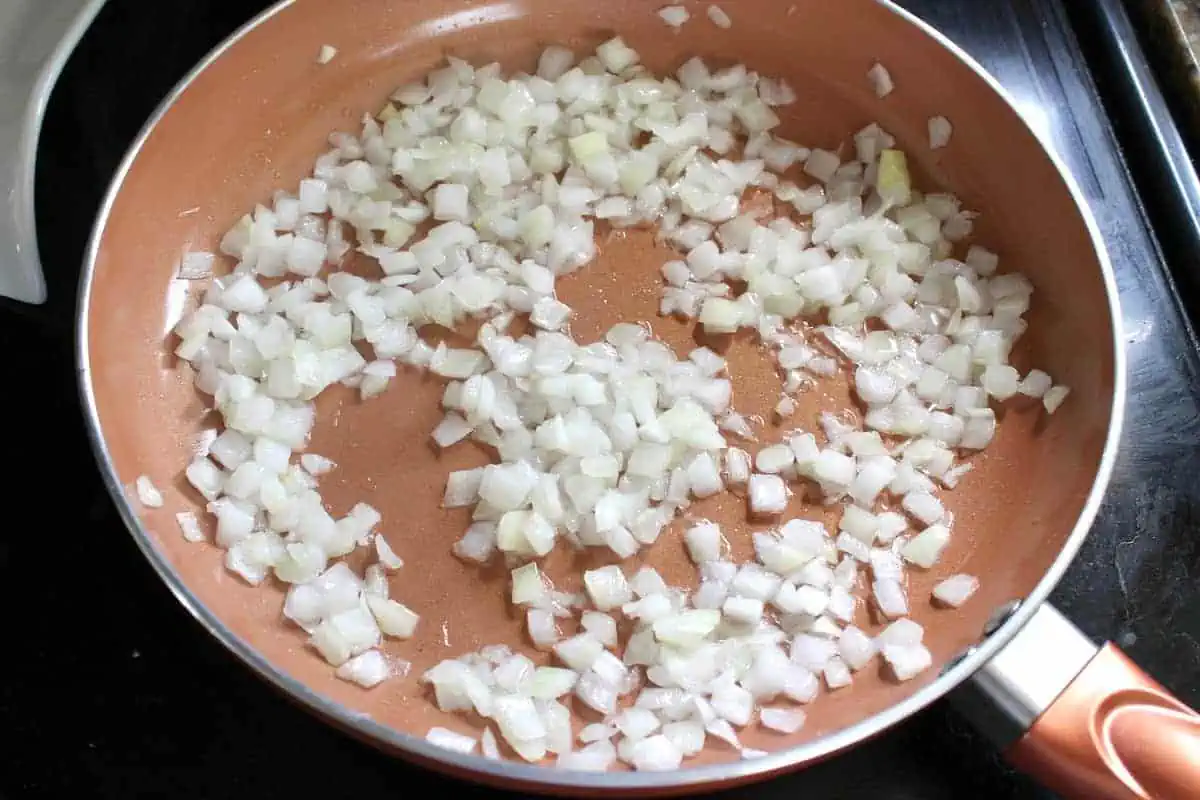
(36, 37)
(1084, 720)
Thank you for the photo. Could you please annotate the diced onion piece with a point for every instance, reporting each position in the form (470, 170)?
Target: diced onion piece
(688, 736)
(889, 595)
(1054, 397)
(924, 506)
(189, 526)
(893, 182)
(1001, 381)
(675, 16)
(1035, 384)
(734, 704)
(979, 429)
(596, 757)
(834, 468)
(926, 547)
(315, 464)
(528, 588)
(688, 627)
(387, 556)
(821, 164)
(719, 17)
(737, 466)
(596, 693)
(902, 632)
(518, 719)
(550, 683)
(704, 542)
(607, 587)
(196, 266)
(616, 55)
(366, 669)
(743, 610)
(147, 493)
(768, 494)
(451, 740)
(774, 459)
(719, 315)
(637, 723)
(812, 652)
(782, 720)
(579, 652)
(881, 80)
(956, 590)
(542, 627)
(655, 754)
(939, 132)
(855, 647)
(487, 744)
(394, 619)
(907, 661)
(836, 673)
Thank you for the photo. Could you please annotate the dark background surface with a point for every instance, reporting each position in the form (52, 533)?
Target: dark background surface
(109, 689)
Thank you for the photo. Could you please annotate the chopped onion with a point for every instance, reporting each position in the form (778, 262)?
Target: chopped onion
(607, 587)
(596, 757)
(881, 80)
(924, 507)
(939, 132)
(189, 526)
(655, 753)
(926, 547)
(487, 744)
(394, 619)
(704, 542)
(907, 661)
(196, 266)
(675, 16)
(606, 444)
(855, 647)
(579, 652)
(768, 494)
(542, 627)
(837, 674)
(743, 610)
(782, 720)
(366, 669)
(637, 723)
(956, 590)
(602, 626)
(387, 556)
(528, 588)
(450, 740)
(1035, 384)
(596, 693)
(889, 595)
(901, 632)
(1054, 397)
(687, 628)
(719, 17)
(147, 493)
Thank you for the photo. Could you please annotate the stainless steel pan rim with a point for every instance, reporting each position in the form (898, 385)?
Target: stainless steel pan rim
(506, 772)
(37, 38)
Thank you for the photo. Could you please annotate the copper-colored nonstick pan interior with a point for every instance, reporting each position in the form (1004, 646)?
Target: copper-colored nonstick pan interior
(254, 120)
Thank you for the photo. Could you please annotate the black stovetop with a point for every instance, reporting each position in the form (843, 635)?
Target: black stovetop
(109, 689)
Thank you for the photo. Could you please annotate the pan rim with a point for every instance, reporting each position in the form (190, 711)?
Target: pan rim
(548, 779)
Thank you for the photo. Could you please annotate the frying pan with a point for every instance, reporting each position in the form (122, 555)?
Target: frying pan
(251, 118)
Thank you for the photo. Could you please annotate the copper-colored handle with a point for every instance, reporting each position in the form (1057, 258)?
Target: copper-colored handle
(1114, 733)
